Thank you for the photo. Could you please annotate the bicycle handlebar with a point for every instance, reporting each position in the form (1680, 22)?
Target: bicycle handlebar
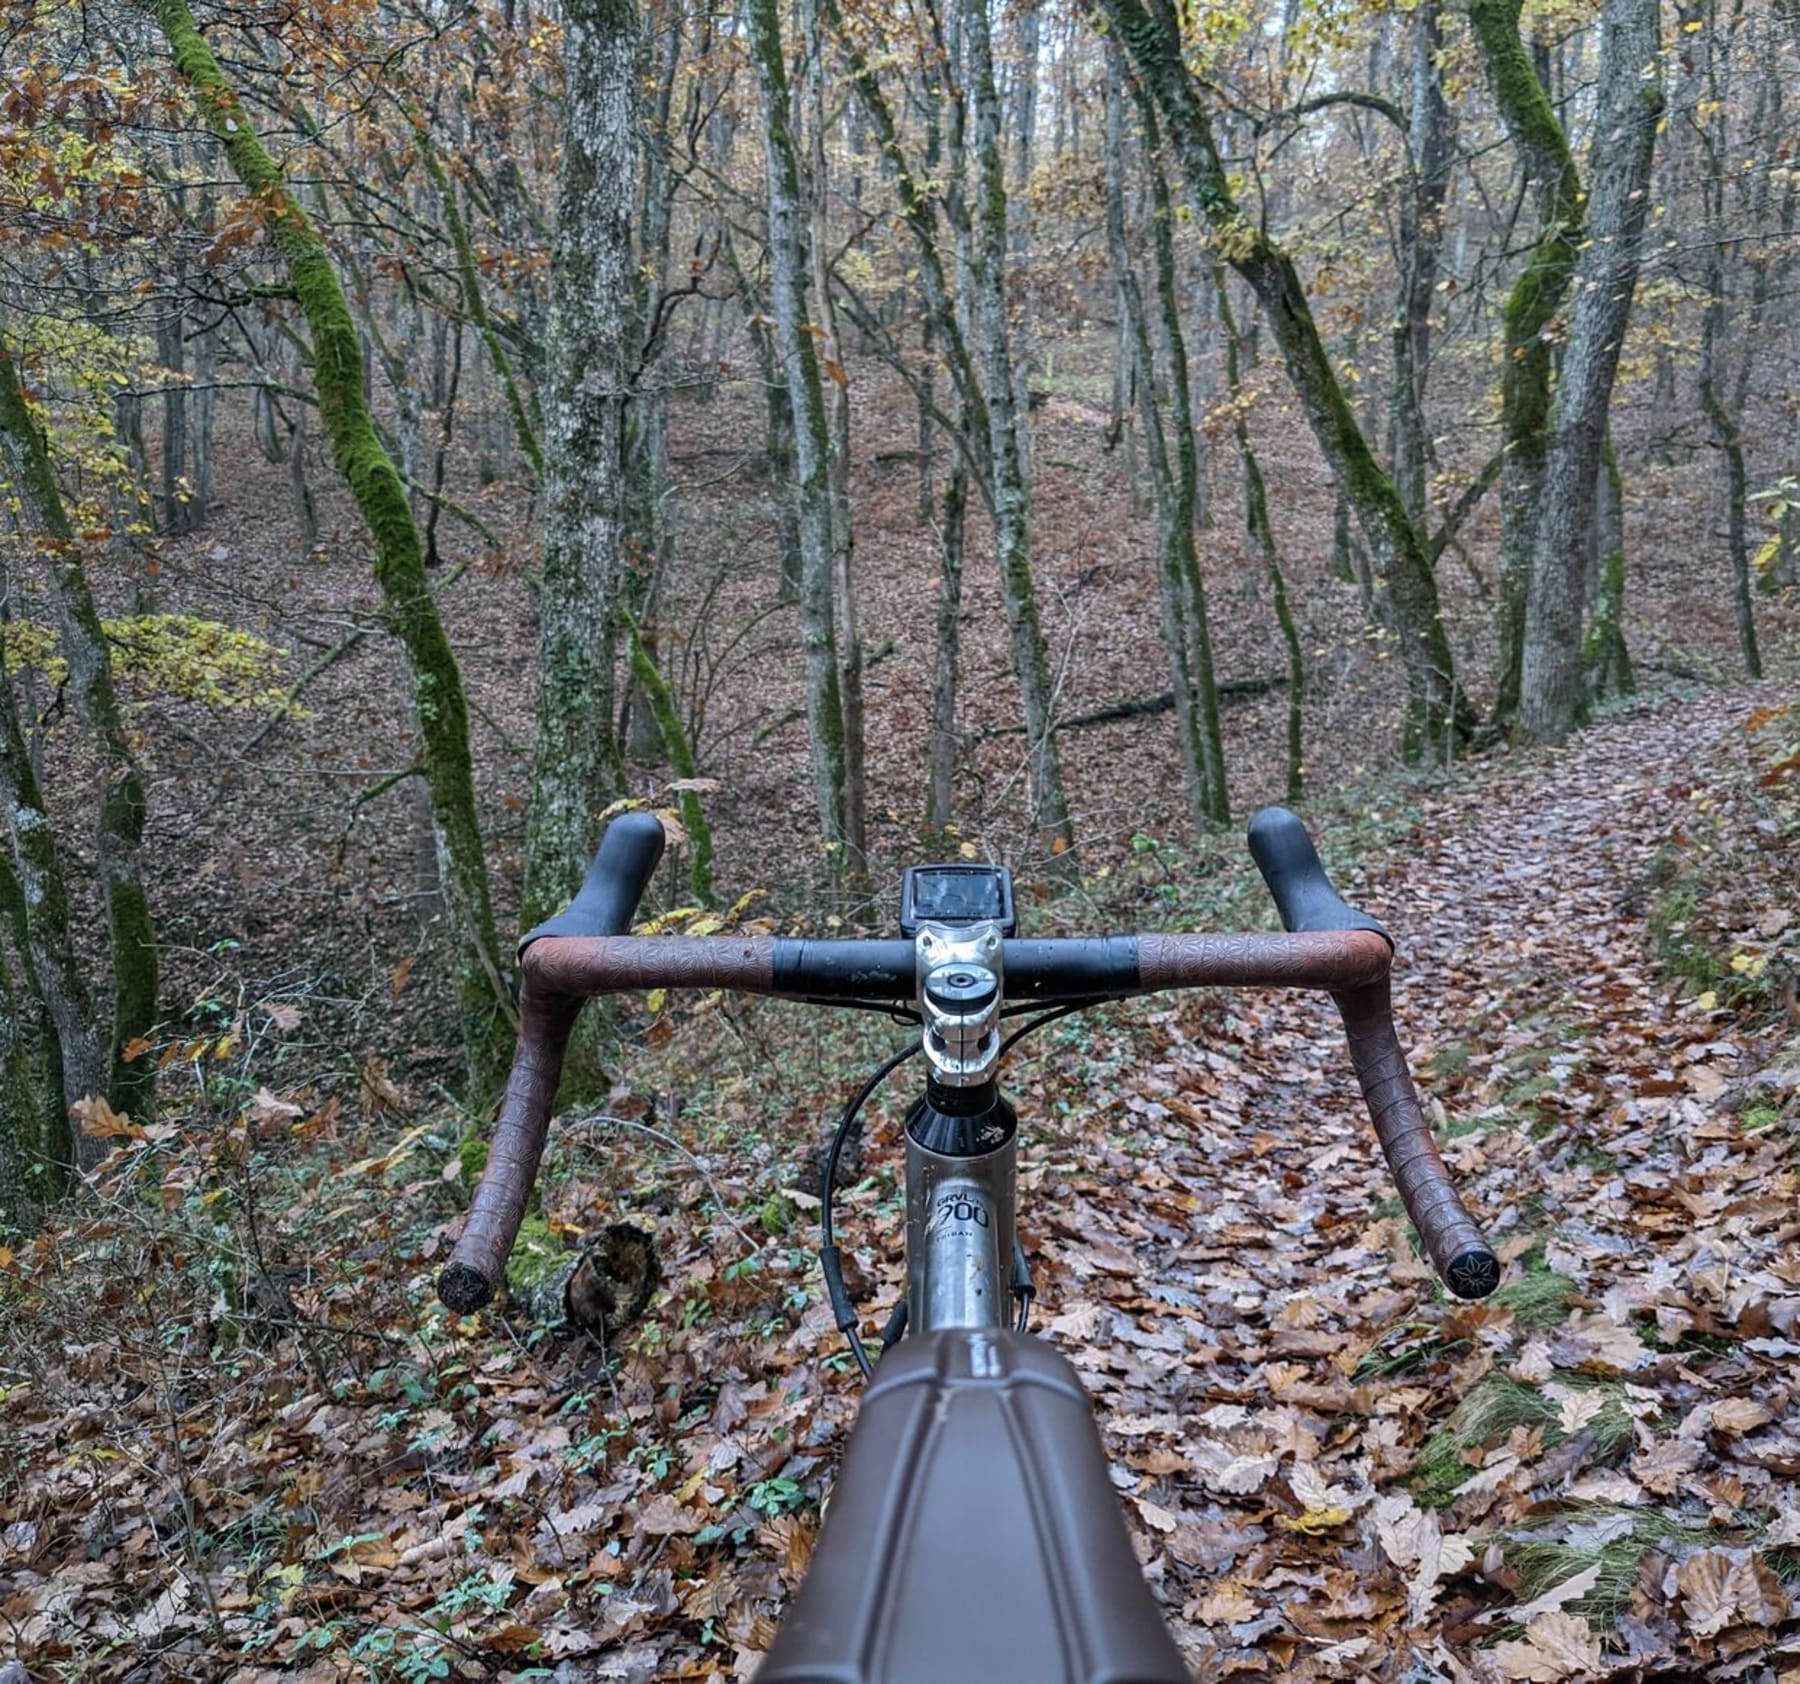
(581, 954)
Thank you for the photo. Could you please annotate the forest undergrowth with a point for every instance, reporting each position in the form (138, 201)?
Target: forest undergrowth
(244, 1441)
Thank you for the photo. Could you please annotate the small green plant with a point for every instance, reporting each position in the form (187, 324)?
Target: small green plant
(776, 1496)
(1550, 1551)
(1539, 1298)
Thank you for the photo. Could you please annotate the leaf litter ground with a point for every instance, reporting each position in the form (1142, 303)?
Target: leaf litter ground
(220, 1464)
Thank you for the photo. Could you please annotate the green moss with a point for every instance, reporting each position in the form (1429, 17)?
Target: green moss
(1450, 1062)
(471, 1159)
(536, 1256)
(777, 1215)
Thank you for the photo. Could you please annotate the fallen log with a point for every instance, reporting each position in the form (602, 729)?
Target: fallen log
(1146, 707)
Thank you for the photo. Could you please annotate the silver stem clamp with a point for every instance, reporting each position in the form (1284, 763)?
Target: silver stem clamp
(960, 969)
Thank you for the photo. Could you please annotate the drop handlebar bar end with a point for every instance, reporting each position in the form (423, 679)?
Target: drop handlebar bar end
(1304, 897)
(605, 905)
(608, 899)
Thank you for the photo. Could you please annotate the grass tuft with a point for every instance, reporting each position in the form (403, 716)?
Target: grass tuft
(1491, 1411)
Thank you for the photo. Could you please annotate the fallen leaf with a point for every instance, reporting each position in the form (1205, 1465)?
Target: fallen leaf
(1556, 1646)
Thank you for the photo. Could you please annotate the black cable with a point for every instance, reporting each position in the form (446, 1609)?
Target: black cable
(1050, 1016)
(829, 1259)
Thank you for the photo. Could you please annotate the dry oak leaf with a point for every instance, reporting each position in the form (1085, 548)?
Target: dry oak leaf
(1575, 1409)
(1600, 1342)
(663, 1517)
(1664, 1466)
(1721, 1588)
(1735, 1416)
(1227, 1604)
(1556, 1646)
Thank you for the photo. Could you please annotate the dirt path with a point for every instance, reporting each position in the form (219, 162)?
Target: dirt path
(1283, 1378)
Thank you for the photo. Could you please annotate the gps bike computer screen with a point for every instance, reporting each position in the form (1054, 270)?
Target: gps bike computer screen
(956, 894)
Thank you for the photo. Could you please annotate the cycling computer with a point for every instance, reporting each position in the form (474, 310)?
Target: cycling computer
(957, 894)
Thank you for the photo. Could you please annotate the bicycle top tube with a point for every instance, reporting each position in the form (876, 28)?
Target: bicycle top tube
(1329, 945)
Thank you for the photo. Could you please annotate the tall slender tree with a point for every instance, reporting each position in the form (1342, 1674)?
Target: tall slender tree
(1441, 715)
(1552, 698)
(594, 334)
(1006, 447)
(439, 704)
(797, 334)
(131, 1081)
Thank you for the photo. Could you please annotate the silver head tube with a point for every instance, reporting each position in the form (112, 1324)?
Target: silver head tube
(960, 1141)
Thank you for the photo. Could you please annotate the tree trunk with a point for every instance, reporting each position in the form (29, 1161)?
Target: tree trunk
(132, 936)
(1186, 643)
(1551, 699)
(1606, 660)
(836, 392)
(796, 334)
(1431, 141)
(941, 754)
(660, 701)
(1440, 715)
(468, 276)
(576, 767)
(1530, 307)
(37, 1150)
(1716, 395)
(1006, 424)
(439, 702)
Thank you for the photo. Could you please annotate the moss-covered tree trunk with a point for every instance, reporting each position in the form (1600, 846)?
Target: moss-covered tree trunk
(1722, 405)
(588, 522)
(37, 1150)
(1430, 138)
(680, 749)
(836, 392)
(1530, 308)
(1552, 697)
(1605, 657)
(1196, 698)
(131, 1078)
(940, 757)
(439, 703)
(1261, 533)
(468, 275)
(1440, 714)
(1189, 512)
(918, 212)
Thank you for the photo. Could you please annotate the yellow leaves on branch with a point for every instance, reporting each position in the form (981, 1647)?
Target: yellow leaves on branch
(178, 655)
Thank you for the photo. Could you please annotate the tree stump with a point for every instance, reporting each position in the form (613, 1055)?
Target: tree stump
(602, 1290)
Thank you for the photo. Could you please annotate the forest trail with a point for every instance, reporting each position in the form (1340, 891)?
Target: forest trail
(1280, 1371)
(1330, 1469)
